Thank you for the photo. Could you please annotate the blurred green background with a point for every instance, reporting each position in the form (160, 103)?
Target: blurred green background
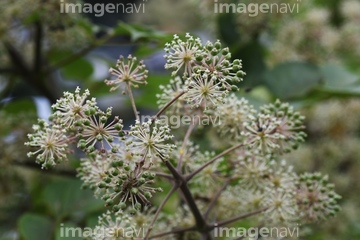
(309, 58)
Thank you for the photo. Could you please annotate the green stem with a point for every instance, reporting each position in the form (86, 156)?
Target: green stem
(236, 218)
(216, 197)
(79, 54)
(131, 96)
(200, 221)
(191, 175)
(172, 190)
(166, 106)
(182, 150)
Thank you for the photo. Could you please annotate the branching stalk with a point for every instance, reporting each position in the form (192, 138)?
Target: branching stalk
(191, 175)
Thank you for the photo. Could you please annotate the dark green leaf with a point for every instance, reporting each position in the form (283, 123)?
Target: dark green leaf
(65, 197)
(148, 98)
(292, 79)
(252, 56)
(139, 32)
(35, 227)
(79, 68)
(19, 106)
(335, 76)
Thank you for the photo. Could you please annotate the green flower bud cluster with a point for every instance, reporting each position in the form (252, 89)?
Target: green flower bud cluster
(128, 72)
(275, 128)
(316, 197)
(127, 185)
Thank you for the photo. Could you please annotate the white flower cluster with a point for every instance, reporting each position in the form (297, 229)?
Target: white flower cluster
(208, 71)
(245, 177)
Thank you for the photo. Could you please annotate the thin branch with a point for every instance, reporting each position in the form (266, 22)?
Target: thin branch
(166, 106)
(131, 96)
(237, 218)
(216, 197)
(25, 72)
(167, 197)
(191, 175)
(182, 150)
(79, 54)
(38, 47)
(164, 175)
(200, 221)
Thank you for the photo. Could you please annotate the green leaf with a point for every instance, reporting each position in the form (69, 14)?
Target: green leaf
(148, 98)
(338, 81)
(20, 106)
(335, 76)
(139, 32)
(80, 68)
(35, 227)
(292, 79)
(252, 56)
(227, 28)
(65, 198)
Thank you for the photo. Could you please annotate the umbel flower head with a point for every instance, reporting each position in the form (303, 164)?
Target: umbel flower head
(95, 128)
(126, 183)
(276, 128)
(51, 143)
(202, 90)
(233, 113)
(114, 227)
(197, 58)
(150, 142)
(72, 107)
(217, 61)
(182, 54)
(93, 170)
(281, 206)
(290, 125)
(128, 72)
(316, 198)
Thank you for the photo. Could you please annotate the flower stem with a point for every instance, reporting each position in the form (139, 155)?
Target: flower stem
(216, 197)
(133, 101)
(191, 175)
(186, 138)
(199, 219)
(172, 190)
(237, 218)
(166, 106)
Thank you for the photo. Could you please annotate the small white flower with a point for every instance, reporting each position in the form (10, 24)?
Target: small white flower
(51, 143)
(260, 133)
(232, 114)
(151, 141)
(96, 129)
(128, 72)
(72, 107)
(169, 92)
(203, 91)
(113, 227)
(182, 54)
(282, 207)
